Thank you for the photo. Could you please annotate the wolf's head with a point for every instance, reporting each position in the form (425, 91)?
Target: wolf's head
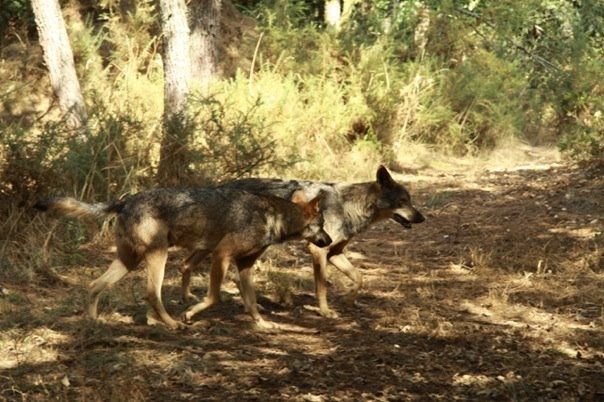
(394, 200)
(313, 218)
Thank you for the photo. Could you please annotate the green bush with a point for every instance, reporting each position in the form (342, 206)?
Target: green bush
(488, 95)
(228, 144)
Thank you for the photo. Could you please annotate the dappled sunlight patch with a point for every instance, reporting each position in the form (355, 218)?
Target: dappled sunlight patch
(118, 317)
(578, 233)
(354, 255)
(472, 379)
(545, 329)
(513, 155)
(463, 271)
(18, 347)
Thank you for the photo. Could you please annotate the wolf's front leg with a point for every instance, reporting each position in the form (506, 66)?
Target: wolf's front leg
(341, 262)
(319, 263)
(248, 294)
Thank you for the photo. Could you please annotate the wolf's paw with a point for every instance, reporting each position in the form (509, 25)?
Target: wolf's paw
(187, 317)
(328, 313)
(323, 312)
(177, 325)
(265, 325)
(188, 298)
(153, 318)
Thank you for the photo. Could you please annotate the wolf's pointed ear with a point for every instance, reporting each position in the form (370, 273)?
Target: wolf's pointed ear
(383, 177)
(298, 197)
(315, 203)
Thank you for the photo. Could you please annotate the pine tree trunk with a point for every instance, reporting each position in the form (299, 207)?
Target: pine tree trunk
(59, 60)
(205, 30)
(420, 36)
(333, 13)
(173, 162)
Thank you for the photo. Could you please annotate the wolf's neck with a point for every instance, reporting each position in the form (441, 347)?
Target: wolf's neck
(285, 227)
(359, 206)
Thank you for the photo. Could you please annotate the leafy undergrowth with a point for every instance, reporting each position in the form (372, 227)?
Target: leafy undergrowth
(498, 295)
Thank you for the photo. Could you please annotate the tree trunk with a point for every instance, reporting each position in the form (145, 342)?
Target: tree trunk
(205, 29)
(173, 152)
(59, 60)
(333, 13)
(420, 36)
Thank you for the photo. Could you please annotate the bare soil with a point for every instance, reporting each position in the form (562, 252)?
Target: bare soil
(499, 295)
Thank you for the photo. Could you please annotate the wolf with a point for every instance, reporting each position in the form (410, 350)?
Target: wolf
(348, 209)
(232, 225)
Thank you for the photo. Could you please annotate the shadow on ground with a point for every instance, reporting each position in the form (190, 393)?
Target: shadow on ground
(497, 296)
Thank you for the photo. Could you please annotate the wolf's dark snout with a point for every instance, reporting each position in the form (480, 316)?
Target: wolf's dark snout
(418, 217)
(322, 240)
(41, 205)
(413, 216)
(402, 220)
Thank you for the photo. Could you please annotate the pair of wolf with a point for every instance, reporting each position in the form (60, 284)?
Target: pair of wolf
(235, 223)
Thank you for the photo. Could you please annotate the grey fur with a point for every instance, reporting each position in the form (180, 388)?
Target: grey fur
(235, 226)
(348, 209)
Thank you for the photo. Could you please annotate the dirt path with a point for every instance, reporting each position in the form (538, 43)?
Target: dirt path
(499, 295)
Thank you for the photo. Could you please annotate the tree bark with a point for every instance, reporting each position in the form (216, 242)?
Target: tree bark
(59, 60)
(420, 36)
(333, 13)
(205, 31)
(173, 162)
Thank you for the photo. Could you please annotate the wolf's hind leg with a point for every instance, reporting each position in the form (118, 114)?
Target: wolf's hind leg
(116, 271)
(156, 263)
(220, 266)
(191, 263)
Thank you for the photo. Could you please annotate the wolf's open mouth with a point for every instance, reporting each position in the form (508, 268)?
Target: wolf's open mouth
(400, 219)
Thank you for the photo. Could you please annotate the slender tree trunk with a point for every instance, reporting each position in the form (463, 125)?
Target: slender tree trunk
(420, 36)
(333, 13)
(205, 30)
(173, 162)
(59, 60)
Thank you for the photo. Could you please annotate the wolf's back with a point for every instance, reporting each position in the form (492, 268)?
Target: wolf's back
(279, 188)
(77, 209)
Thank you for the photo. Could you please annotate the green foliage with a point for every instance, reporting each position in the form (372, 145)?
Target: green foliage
(99, 162)
(458, 75)
(489, 95)
(369, 22)
(13, 15)
(229, 143)
(584, 143)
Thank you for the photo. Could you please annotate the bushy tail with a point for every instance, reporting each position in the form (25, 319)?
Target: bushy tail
(77, 209)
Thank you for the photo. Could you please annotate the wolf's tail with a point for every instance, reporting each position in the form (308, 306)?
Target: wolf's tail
(77, 209)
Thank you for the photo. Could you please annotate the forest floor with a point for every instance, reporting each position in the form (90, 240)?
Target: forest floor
(499, 295)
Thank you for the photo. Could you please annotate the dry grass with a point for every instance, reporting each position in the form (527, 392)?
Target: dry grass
(497, 296)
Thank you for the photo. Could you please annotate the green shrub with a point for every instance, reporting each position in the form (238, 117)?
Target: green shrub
(488, 95)
(228, 144)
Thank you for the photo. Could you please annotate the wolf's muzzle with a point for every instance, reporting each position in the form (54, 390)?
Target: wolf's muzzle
(406, 221)
(322, 240)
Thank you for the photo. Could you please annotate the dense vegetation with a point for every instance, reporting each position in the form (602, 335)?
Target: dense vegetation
(460, 76)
